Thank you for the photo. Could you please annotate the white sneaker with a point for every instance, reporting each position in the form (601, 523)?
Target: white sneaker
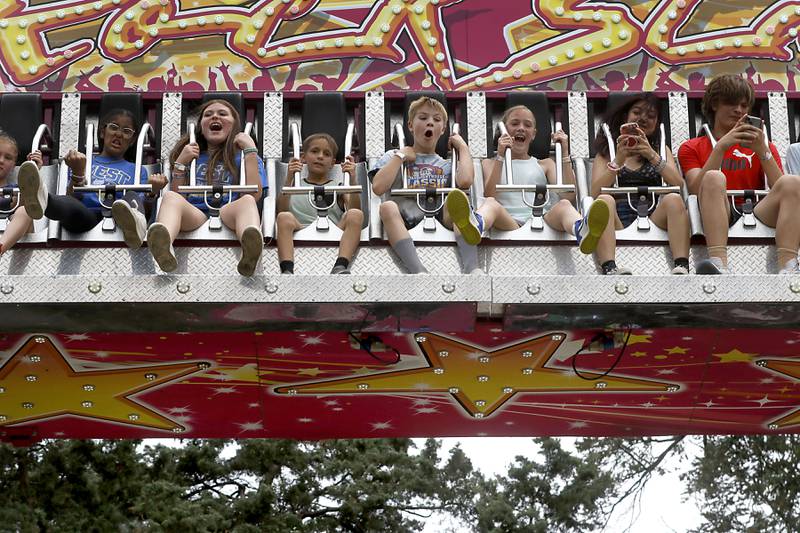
(160, 244)
(131, 221)
(791, 267)
(32, 192)
(680, 270)
(711, 266)
(252, 245)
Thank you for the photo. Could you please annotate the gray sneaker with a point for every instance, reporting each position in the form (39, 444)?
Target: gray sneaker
(711, 266)
(131, 221)
(340, 269)
(160, 245)
(791, 267)
(252, 245)
(619, 271)
(32, 192)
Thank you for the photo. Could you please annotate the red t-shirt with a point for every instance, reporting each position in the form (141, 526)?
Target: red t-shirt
(741, 166)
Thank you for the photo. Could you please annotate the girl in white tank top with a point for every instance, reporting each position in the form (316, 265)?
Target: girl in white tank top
(506, 210)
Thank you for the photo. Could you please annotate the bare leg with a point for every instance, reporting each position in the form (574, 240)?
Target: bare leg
(393, 222)
(287, 225)
(351, 223)
(240, 214)
(607, 246)
(715, 213)
(495, 215)
(779, 210)
(562, 217)
(177, 214)
(19, 225)
(671, 214)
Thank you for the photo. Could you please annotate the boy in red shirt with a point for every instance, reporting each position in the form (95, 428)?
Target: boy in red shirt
(741, 159)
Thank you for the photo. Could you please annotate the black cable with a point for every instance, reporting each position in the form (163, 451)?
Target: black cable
(365, 343)
(613, 365)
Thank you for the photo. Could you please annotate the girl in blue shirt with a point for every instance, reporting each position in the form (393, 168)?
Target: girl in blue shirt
(218, 162)
(80, 212)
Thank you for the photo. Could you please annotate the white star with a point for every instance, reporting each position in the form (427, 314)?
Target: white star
(578, 424)
(337, 409)
(182, 333)
(481, 434)
(767, 380)
(426, 410)
(648, 405)
(709, 403)
(687, 338)
(763, 401)
(178, 410)
(305, 420)
(78, 337)
(422, 386)
(101, 354)
(220, 376)
(250, 426)
(665, 371)
(184, 420)
(420, 402)
(188, 69)
(313, 341)
(59, 434)
(282, 350)
(236, 69)
(381, 425)
(398, 334)
(254, 405)
(496, 330)
(509, 423)
(331, 403)
(203, 55)
(224, 390)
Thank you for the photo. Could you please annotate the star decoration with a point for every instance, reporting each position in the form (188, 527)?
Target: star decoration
(735, 356)
(38, 382)
(676, 350)
(786, 368)
(481, 385)
(639, 339)
(639, 354)
(313, 372)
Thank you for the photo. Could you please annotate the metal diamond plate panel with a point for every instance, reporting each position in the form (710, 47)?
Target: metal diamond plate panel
(375, 132)
(779, 122)
(678, 120)
(476, 123)
(273, 126)
(70, 122)
(578, 125)
(170, 122)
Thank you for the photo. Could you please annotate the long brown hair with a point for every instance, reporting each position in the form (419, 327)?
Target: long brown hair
(616, 117)
(227, 154)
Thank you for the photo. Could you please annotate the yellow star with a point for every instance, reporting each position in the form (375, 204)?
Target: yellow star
(480, 379)
(735, 356)
(362, 370)
(313, 372)
(676, 349)
(639, 339)
(38, 383)
(248, 373)
(789, 369)
(639, 354)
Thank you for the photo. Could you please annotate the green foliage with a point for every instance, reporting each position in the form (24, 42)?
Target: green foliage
(279, 485)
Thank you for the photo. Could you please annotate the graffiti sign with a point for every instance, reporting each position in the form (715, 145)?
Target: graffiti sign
(455, 45)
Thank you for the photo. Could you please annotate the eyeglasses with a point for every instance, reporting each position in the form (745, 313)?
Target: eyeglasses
(114, 128)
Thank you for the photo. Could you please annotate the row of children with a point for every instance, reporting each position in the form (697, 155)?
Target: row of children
(739, 157)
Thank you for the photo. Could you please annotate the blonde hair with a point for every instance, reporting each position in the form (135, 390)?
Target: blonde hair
(421, 102)
(327, 138)
(517, 108)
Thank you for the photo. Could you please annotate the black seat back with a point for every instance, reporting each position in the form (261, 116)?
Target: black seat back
(129, 102)
(20, 116)
(441, 146)
(325, 112)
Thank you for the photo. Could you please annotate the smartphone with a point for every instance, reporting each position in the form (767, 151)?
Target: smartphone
(756, 122)
(630, 128)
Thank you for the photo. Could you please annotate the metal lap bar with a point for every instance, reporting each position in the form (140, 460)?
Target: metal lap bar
(540, 191)
(145, 136)
(641, 206)
(217, 191)
(40, 139)
(751, 198)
